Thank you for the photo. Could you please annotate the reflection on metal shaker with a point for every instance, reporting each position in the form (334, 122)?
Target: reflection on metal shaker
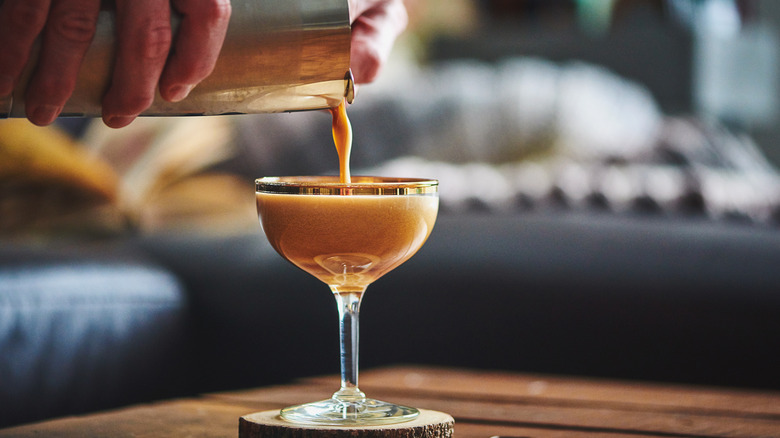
(278, 55)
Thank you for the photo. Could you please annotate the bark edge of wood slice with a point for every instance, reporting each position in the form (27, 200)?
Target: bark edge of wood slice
(268, 424)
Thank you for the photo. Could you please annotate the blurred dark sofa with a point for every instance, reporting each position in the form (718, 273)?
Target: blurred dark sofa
(91, 326)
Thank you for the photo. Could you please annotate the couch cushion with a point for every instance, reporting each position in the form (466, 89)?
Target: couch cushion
(84, 329)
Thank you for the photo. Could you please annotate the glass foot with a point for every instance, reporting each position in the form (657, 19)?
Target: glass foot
(349, 413)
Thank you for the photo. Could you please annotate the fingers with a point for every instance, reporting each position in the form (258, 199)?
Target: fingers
(198, 42)
(144, 39)
(20, 23)
(66, 38)
(376, 25)
(143, 42)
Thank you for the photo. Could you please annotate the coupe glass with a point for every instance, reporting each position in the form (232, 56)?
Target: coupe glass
(347, 235)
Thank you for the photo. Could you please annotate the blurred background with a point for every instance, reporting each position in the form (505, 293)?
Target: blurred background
(715, 59)
(609, 207)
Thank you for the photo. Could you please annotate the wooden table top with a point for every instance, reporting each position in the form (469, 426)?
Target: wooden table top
(484, 404)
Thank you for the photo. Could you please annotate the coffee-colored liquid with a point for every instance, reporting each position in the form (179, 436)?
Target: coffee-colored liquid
(347, 241)
(342, 138)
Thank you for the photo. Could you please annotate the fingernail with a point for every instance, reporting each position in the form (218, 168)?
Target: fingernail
(118, 121)
(45, 114)
(179, 92)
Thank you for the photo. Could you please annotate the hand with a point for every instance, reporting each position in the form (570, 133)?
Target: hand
(144, 41)
(375, 26)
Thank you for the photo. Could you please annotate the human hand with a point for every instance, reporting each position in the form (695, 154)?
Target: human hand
(144, 61)
(375, 26)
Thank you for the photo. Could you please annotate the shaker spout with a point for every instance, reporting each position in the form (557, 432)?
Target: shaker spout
(349, 93)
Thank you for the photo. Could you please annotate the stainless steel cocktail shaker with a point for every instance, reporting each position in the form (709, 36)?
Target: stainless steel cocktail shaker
(278, 55)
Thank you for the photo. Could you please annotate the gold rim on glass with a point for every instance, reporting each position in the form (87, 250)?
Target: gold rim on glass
(359, 185)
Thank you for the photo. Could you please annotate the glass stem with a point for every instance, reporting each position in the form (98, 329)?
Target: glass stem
(349, 308)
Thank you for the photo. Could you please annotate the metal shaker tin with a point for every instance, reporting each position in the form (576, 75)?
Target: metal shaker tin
(278, 55)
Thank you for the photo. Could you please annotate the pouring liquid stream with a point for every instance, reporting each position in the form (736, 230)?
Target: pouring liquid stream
(342, 138)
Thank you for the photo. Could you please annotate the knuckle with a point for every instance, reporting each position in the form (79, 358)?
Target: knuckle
(218, 11)
(26, 14)
(76, 26)
(155, 42)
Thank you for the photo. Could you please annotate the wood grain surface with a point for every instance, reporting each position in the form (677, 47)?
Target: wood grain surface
(484, 404)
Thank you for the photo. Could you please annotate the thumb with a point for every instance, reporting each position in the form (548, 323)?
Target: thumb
(374, 32)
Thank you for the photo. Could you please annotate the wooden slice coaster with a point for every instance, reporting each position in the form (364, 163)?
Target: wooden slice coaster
(268, 424)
